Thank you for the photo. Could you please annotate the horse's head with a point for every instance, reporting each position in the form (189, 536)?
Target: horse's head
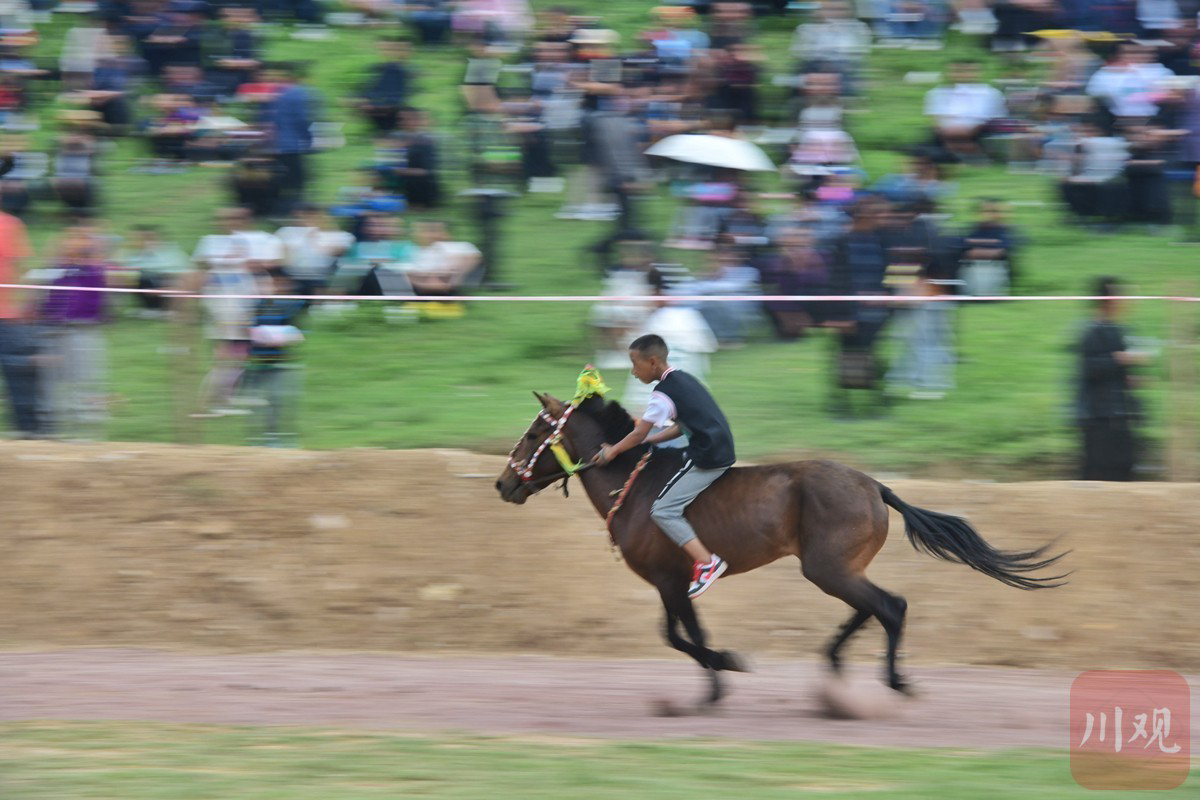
(527, 472)
(551, 449)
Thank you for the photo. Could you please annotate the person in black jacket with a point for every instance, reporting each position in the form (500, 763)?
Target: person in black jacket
(390, 86)
(1106, 406)
(681, 404)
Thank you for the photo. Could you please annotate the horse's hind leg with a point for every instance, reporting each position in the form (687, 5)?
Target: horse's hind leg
(849, 628)
(867, 600)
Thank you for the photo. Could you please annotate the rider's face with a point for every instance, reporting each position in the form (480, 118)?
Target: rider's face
(646, 369)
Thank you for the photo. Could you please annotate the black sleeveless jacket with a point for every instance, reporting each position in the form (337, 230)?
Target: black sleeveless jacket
(710, 441)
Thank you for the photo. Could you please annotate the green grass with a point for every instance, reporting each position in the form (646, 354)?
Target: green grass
(157, 762)
(465, 383)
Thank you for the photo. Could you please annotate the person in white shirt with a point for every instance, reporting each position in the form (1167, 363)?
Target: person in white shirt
(962, 110)
(311, 249)
(229, 287)
(440, 266)
(835, 41)
(1127, 85)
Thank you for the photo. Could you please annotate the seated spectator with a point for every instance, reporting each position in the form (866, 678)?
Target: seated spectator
(796, 269)
(157, 263)
(22, 177)
(412, 165)
(737, 75)
(992, 240)
(1072, 63)
(312, 248)
(1095, 189)
(73, 180)
(962, 110)
(171, 129)
(175, 37)
(83, 47)
(378, 262)
(189, 80)
(834, 41)
(920, 22)
(1149, 198)
(921, 182)
(1125, 86)
(430, 19)
(389, 87)
(256, 182)
(730, 274)
(111, 86)
(1157, 18)
(235, 56)
(439, 265)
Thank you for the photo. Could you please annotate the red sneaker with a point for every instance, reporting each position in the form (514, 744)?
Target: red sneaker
(704, 575)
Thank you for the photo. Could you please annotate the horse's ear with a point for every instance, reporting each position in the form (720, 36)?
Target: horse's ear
(550, 402)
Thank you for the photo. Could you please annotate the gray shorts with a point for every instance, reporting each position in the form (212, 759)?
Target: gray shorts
(684, 487)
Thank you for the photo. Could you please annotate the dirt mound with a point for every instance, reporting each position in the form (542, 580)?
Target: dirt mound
(241, 549)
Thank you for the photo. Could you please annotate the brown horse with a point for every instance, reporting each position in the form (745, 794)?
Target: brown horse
(833, 518)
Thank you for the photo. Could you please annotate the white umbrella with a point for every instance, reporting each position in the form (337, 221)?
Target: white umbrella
(713, 151)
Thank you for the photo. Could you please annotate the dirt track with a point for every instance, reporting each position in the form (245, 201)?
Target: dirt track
(959, 707)
(227, 552)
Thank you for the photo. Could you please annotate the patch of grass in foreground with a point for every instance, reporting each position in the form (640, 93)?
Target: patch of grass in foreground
(134, 761)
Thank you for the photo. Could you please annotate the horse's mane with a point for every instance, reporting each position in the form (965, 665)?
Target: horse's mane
(613, 418)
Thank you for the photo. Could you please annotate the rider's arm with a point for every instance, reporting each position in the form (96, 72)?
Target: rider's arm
(640, 431)
(673, 432)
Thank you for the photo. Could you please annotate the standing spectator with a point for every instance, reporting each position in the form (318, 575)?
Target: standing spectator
(237, 57)
(797, 269)
(924, 367)
(312, 248)
(291, 127)
(158, 264)
(74, 172)
(1106, 406)
(227, 281)
(75, 336)
(413, 163)
(389, 87)
(1095, 188)
(18, 343)
(859, 267)
(273, 371)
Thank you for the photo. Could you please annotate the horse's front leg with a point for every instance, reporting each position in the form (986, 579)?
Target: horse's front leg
(679, 608)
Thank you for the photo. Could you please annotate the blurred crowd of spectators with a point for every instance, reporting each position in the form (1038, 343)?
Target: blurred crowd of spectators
(1100, 98)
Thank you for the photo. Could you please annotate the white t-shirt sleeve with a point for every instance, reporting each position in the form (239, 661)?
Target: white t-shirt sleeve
(660, 411)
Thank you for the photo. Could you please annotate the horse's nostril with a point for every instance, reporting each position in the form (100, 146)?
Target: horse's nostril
(499, 487)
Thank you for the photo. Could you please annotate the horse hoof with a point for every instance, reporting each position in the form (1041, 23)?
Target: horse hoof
(734, 662)
(906, 689)
(669, 708)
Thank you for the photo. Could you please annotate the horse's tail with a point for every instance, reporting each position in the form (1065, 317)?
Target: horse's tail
(953, 539)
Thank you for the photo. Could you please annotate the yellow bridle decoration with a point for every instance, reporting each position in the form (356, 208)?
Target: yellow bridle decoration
(589, 383)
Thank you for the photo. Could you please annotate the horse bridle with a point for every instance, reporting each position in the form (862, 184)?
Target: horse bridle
(553, 442)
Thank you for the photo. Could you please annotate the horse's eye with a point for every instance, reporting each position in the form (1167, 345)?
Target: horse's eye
(530, 437)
